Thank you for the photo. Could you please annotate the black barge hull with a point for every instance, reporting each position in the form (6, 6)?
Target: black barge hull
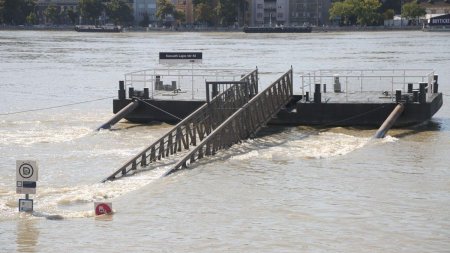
(280, 29)
(315, 114)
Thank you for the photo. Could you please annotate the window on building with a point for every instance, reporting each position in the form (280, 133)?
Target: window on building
(259, 6)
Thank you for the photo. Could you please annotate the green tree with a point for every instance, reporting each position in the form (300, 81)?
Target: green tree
(413, 10)
(391, 5)
(179, 16)
(119, 11)
(32, 19)
(165, 8)
(361, 12)
(51, 13)
(90, 10)
(227, 11)
(15, 12)
(389, 14)
(342, 11)
(367, 12)
(203, 13)
(72, 15)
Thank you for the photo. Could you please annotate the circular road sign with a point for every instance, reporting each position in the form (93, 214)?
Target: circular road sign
(26, 170)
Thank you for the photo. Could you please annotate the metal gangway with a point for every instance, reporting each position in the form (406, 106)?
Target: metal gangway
(227, 118)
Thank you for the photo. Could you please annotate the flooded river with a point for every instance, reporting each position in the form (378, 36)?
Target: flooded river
(295, 189)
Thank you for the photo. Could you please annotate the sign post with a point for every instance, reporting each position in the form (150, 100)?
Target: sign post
(26, 178)
(182, 57)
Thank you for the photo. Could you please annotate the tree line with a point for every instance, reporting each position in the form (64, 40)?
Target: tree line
(373, 12)
(206, 12)
(21, 12)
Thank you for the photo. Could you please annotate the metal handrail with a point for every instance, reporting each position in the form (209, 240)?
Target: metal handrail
(183, 76)
(190, 126)
(245, 122)
(394, 78)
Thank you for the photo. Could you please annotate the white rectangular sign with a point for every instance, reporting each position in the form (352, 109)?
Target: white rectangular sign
(25, 205)
(26, 187)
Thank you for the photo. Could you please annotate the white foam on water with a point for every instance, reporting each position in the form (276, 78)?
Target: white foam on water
(389, 139)
(30, 136)
(316, 146)
(77, 201)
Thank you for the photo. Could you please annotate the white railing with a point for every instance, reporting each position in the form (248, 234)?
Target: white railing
(189, 82)
(364, 80)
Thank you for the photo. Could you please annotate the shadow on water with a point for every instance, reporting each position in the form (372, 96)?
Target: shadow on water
(131, 125)
(430, 126)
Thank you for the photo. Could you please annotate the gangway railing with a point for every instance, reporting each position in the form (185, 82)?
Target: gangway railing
(244, 123)
(196, 126)
(366, 80)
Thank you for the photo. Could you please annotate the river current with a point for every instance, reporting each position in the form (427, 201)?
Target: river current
(294, 189)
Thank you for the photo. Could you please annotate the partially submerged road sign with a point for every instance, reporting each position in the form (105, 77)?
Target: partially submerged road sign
(102, 208)
(25, 205)
(180, 57)
(26, 176)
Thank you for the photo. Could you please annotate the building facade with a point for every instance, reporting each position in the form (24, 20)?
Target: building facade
(309, 12)
(268, 12)
(288, 12)
(144, 9)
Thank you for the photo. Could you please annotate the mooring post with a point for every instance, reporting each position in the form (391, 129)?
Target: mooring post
(121, 90)
(157, 83)
(435, 84)
(398, 96)
(131, 92)
(317, 94)
(174, 85)
(422, 93)
(416, 96)
(410, 87)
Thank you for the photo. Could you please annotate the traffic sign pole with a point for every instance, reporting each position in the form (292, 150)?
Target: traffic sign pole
(26, 177)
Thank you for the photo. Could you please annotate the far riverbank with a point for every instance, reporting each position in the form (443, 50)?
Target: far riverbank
(215, 29)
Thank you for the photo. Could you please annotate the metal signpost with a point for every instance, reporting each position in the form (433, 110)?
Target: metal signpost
(26, 178)
(182, 57)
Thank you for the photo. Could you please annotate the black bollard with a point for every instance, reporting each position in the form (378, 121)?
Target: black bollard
(146, 93)
(131, 92)
(410, 87)
(324, 88)
(121, 90)
(317, 94)
(174, 85)
(416, 96)
(398, 96)
(307, 96)
(435, 84)
(158, 83)
(423, 93)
